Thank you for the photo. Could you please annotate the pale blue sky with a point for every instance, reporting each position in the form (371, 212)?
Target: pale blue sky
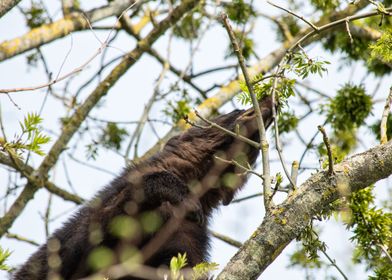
(125, 101)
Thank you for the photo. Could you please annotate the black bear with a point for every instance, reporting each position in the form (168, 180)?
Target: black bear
(128, 213)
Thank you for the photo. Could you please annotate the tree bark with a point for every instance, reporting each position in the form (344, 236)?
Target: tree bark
(7, 5)
(49, 32)
(288, 219)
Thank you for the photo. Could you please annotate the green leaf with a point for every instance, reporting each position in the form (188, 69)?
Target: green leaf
(31, 138)
(176, 264)
(202, 270)
(4, 254)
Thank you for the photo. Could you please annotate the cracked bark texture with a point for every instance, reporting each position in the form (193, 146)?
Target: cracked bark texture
(287, 220)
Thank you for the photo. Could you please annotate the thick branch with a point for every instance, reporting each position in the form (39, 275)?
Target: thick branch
(49, 32)
(28, 170)
(284, 224)
(7, 5)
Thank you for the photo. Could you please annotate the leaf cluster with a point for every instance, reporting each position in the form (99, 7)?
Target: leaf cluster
(239, 11)
(31, 137)
(303, 65)
(177, 110)
(188, 28)
(325, 5)
(306, 256)
(311, 242)
(260, 91)
(287, 121)
(36, 15)
(349, 108)
(358, 49)
(382, 49)
(112, 136)
(199, 271)
(4, 254)
(300, 258)
(284, 90)
(372, 228)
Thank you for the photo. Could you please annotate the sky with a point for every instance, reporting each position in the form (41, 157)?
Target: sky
(126, 101)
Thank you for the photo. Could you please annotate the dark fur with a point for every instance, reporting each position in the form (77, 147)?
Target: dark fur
(186, 162)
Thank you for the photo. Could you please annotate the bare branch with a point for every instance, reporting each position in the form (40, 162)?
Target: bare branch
(21, 238)
(384, 118)
(264, 65)
(226, 239)
(282, 225)
(49, 32)
(294, 14)
(7, 5)
(260, 123)
(349, 32)
(329, 151)
(103, 46)
(28, 171)
(294, 171)
(333, 263)
(231, 133)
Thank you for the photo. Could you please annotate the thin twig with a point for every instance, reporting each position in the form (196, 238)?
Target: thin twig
(315, 28)
(226, 239)
(239, 165)
(331, 25)
(333, 263)
(74, 71)
(275, 116)
(246, 198)
(260, 123)
(130, 29)
(308, 146)
(47, 215)
(329, 151)
(382, 247)
(21, 238)
(294, 171)
(349, 32)
(215, 69)
(384, 118)
(231, 133)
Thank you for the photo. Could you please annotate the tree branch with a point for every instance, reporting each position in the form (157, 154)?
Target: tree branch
(28, 170)
(284, 224)
(83, 110)
(384, 118)
(49, 32)
(260, 123)
(264, 65)
(7, 5)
